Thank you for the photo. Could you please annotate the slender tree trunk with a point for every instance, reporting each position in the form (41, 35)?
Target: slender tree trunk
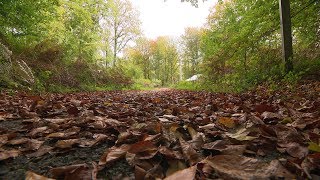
(180, 70)
(285, 20)
(245, 60)
(115, 44)
(106, 61)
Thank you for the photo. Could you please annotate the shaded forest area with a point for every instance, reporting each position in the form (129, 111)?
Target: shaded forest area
(45, 44)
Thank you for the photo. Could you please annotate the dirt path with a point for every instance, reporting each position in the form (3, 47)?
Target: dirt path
(161, 133)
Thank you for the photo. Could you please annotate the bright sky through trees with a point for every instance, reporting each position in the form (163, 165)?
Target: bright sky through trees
(161, 18)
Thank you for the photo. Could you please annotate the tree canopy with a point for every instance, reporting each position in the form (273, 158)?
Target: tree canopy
(239, 46)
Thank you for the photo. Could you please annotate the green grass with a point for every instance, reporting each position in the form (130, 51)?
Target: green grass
(188, 85)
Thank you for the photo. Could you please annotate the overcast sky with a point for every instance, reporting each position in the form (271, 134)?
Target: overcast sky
(170, 18)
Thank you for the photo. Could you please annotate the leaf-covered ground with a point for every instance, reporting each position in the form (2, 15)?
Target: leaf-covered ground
(162, 134)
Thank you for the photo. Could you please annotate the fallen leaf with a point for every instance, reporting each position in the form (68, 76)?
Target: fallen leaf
(170, 154)
(9, 154)
(58, 120)
(78, 171)
(41, 151)
(240, 167)
(287, 134)
(270, 117)
(169, 116)
(142, 146)
(314, 147)
(264, 107)
(193, 133)
(19, 141)
(186, 174)
(295, 150)
(33, 176)
(26, 114)
(189, 153)
(114, 153)
(56, 135)
(227, 122)
(35, 131)
(97, 139)
(3, 139)
(73, 111)
(241, 135)
(164, 120)
(174, 166)
(139, 173)
(63, 144)
(208, 126)
(225, 148)
(34, 144)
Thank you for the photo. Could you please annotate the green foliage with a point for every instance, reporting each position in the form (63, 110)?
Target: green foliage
(242, 46)
(158, 60)
(188, 85)
(67, 45)
(124, 26)
(191, 56)
(292, 78)
(61, 42)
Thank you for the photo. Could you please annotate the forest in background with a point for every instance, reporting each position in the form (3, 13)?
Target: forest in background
(63, 45)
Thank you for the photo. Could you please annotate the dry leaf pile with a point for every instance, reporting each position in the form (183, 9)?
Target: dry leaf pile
(166, 134)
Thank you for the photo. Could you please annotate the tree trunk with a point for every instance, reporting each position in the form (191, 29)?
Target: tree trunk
(285, 20)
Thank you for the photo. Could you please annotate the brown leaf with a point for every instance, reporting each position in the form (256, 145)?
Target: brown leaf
(264, 107)
(124, 137)
(34, 144)
(270, 117)
(170, 154)
(66, 143)
(164, 120)
(225, 148)
(40, 152)
(242, 134)
(174, 166)
(216, 145)
(142, 146)
(37, 130)
(9, 154)
(189, 153)
(295, 150)
(73, 111)
(193, 133)
(56, 135)
(26, 114)
(65, 134)
(33, 176)
(114, 153)
(185, 174)
(139, 173)
(97, 138)
(78, 171)
(227, 122)
(58, 120)
(5, 115)
(287, 134)
(240, 167)
(19, 141)
(3, 139)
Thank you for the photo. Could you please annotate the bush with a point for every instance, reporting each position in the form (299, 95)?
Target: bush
(189, 85)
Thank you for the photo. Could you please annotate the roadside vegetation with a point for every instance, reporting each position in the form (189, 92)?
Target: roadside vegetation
(98, 45)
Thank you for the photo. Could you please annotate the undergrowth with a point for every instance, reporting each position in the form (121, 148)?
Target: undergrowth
(274, 79)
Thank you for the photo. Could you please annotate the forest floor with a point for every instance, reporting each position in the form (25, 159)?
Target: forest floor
(164, 133)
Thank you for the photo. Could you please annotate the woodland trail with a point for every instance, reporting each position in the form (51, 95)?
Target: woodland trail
(164, 133)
